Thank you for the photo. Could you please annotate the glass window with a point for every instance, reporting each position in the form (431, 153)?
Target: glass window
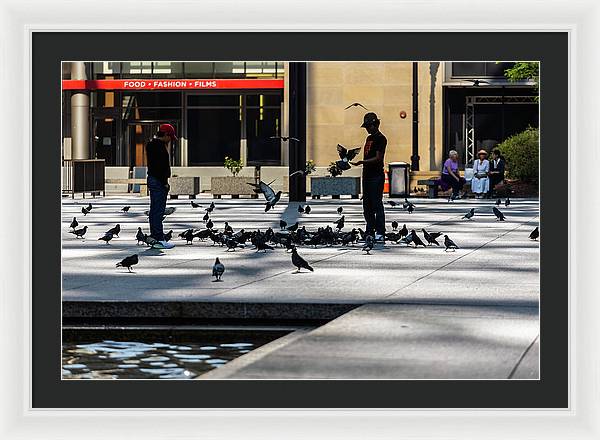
(104, 68)
(132, 69)
(167, 69)
(105, 140)
(212, 135)
(264, 100)
(155, 99)
(210, 100)
(198, 70)
(480, 69)
(261, 124)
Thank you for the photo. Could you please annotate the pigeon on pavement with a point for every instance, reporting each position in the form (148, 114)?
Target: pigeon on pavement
(168, 236)
(74, 223)
(404, 231)
(416, 240)
(106, 237)
(300, 209)
(507, 202)
(128, 262)
(188, 236)
(498, 214)
(339, 223)
(534, 234)
(79, 233)
(217, 270)
(469, 215)
(139, 236)
(299, 262)
(410, 208)
(340, 210)
(431, 236)
(394, 225)
(282, 224)
(449, 244)
(392, 203)
(125, 208)
(498, 202)
(84, 211)
(293, 228)
(307, 209)
(115, 230)
(194, 204)
(369, 242)
(206, 217)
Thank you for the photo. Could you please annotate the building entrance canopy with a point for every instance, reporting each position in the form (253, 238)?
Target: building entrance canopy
(171, 84)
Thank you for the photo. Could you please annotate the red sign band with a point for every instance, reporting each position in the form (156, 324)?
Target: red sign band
(170, 84)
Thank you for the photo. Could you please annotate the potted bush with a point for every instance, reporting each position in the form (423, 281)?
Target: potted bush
(233, 185)
(334, 185)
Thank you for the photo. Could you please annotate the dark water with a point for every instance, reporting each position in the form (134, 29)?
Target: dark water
(153, 359)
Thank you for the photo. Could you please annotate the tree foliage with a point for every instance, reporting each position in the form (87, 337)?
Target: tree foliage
(521, 153)
(235, 166)
(525, 70)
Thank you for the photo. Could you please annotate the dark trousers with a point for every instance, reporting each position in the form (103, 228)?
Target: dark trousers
(449, 181)
(373, 204)
(158, 202)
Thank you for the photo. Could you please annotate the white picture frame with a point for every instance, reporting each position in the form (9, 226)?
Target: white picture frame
(581, 19)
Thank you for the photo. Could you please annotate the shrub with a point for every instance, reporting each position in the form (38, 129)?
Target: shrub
(310, 167)
(235, 166)
(522, 152)
(334, 170)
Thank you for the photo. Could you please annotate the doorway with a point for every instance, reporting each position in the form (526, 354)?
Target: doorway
(138, 134)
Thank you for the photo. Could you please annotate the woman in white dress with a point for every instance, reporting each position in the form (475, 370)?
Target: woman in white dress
(481, 182)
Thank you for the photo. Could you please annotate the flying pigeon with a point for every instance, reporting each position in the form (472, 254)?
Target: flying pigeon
(498, 214)
(299, 262)
(394, 225)
(449, 244)
(270, 196)
(469, 215)
(286, 138)
(139, 236)
(79, 233)
(194, 204)
(507, 202)
(534, 234)
(217, 270)
(476, 82)
(257, 188)
(128, 262)
(115, 230)
(106, 237)
(74, 223)
(125, 208)
(345, 157)
(356, 104)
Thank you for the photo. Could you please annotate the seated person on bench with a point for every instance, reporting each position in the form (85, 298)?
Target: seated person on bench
(497, 166)
(450, 175)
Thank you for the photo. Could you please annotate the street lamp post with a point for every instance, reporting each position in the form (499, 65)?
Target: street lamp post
(414, 159)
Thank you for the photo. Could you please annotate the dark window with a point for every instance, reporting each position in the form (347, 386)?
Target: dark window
(154, 99)
(480, 69)
(261, 124)
(212, 135)
(267, 100)
(209, 100)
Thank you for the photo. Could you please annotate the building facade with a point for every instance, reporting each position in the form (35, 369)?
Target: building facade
(111, 109)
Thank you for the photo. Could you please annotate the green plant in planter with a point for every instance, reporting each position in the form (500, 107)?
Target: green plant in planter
(234, 166)
(522, 152)
(310, 167)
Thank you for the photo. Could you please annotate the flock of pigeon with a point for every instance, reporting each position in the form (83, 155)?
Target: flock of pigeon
(289, 237)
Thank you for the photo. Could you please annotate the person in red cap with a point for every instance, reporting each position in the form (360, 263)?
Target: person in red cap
(159, 171)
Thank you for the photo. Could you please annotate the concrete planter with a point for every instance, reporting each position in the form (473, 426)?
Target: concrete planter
(335, 186)
(234, 186)
(184, 186)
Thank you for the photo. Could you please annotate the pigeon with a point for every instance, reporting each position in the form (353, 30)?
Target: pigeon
(115, 230)
(469, 215)
(369, 242)
(270, 196)
(431, 237)
(261, 246)
(282, 224)
(404, 231)
(84, 211)
(356, 104)
(392, 203)
(345, 157)
(217, 270)
(203, 235)
(449, 244)
(188, 236)
(410, 208)
(285, 138)
(257, 188)
(168, 236)
(206, 217)
(416, 240)
(209, 224)
(106, 237)
(194, 204)
(407, 204)
(232, 244)
(300, 209)
(498, 214)
(128, 262)
(139, 236)
(79, 233)
(340, 223)
(476, 82)
(340, 210)
(170, 210)
(507, 202)
(498, 202)
(74, 223)
(293, 228)
(299, 262)
(394, 225)
(210, 208)
(125, 208)
(307, 209)
(534, 234)
(150, 241)
(228, 229)
(89, 207)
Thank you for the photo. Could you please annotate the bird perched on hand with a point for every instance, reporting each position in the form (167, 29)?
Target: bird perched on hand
(356, 104)
(498, 214)
(404, 231)
(282, 224)
(106, 237)
(469, 215)
(345, 157)
(293, 228)
(194, 204)
(218, 270)
(431, 236)
(125, 208)
(339, 223)
(307, 209)
(394, 225)
(340, 210)
(392, 203)
(498, 202)
(74, 223)
(139, 236)
(79, 233)
(128, 262)
(270, 196)
(449, 244)
(299, 262)
(369, 242)
(115, 230)
(285, 138)
(507, 202)
(534, 234)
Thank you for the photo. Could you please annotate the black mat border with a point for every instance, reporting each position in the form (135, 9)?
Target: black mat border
(49, 48)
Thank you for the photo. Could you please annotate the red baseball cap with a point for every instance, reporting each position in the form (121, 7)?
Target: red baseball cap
(168, 130)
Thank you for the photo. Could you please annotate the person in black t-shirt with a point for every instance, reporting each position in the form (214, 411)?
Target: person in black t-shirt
(373, 177)
(159, 171)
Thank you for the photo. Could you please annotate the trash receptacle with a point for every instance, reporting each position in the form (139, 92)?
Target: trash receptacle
(398, 175)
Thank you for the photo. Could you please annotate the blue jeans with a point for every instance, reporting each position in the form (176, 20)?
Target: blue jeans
(373, 204)
(158, 202)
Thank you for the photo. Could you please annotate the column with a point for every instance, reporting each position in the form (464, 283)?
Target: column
(80, 113)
